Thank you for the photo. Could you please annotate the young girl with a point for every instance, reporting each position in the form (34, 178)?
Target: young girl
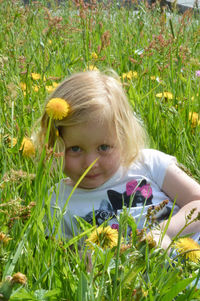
(97, 126)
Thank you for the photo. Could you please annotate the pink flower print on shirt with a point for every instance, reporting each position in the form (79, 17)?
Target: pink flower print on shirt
(115, 226)
(133, 186)
(135, 195)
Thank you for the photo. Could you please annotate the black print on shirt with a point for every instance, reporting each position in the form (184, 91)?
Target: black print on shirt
(135, 195)
(102, 214)
(164, 213)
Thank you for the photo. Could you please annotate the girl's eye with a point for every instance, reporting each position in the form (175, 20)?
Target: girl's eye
(104, 147)
(75, 149)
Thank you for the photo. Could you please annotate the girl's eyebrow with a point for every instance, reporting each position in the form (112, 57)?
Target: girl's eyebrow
(71, 144)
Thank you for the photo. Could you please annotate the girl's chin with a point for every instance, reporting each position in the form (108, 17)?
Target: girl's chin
(90, 183)
(89, 186)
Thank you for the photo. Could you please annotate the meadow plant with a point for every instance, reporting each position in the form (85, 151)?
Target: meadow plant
(156, 54)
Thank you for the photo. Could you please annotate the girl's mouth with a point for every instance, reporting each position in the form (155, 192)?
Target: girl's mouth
(92, 176)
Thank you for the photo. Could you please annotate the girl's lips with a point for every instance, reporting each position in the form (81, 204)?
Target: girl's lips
(92, 176)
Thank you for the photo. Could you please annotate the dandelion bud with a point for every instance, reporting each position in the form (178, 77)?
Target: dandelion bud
(19, 278)
(4, 238)
(7, 285)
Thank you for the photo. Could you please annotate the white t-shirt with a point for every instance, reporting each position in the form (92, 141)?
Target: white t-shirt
(137, 188)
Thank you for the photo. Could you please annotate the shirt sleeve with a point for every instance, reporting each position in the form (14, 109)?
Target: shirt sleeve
(157, 162)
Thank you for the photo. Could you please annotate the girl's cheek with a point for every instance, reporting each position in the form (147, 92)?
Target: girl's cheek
(115, 158)
(72, 163)
(68, 164)
(69, 161)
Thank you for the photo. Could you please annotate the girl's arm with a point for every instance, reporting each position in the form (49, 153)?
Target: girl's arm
(186, 191)
(180, 187)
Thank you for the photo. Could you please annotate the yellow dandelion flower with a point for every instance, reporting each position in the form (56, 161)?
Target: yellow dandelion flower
(35, 76)
(104, 237)
(57, 108)
(130, 75)
(50, 89)
(2, 185)
(23, 86)
(49, 41)
(4, 238)
(145, 293)
(194, 119)
(155, 78)
(189, 248)
(55, 85)
(92, 67)
(166, 95)
(27, 147)
(19, 278)
(193, 97)
(94, 55)
(12, 141)
(35, 88)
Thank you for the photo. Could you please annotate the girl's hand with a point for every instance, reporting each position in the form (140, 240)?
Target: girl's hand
(156, 235)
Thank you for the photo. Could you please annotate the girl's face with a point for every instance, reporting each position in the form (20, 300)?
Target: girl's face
(83, 144)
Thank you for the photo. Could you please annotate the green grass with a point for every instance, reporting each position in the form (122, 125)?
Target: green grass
(164, 51)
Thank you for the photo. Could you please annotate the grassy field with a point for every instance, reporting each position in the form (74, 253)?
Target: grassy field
(157, 56)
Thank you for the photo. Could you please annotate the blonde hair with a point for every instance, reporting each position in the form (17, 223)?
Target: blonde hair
(100, 97)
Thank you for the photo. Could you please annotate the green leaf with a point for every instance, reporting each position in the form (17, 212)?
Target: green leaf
(176, 289)
(53, 294)
(82, 288)
(78, 237)
(11, 265)
(38, 295)
(23, 294)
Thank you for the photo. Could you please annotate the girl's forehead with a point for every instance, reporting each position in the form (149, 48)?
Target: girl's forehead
(89, 131)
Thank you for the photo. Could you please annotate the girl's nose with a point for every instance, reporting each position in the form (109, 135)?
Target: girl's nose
(89, 159)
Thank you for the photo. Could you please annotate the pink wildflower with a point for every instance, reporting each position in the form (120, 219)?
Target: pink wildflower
(198, 73)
